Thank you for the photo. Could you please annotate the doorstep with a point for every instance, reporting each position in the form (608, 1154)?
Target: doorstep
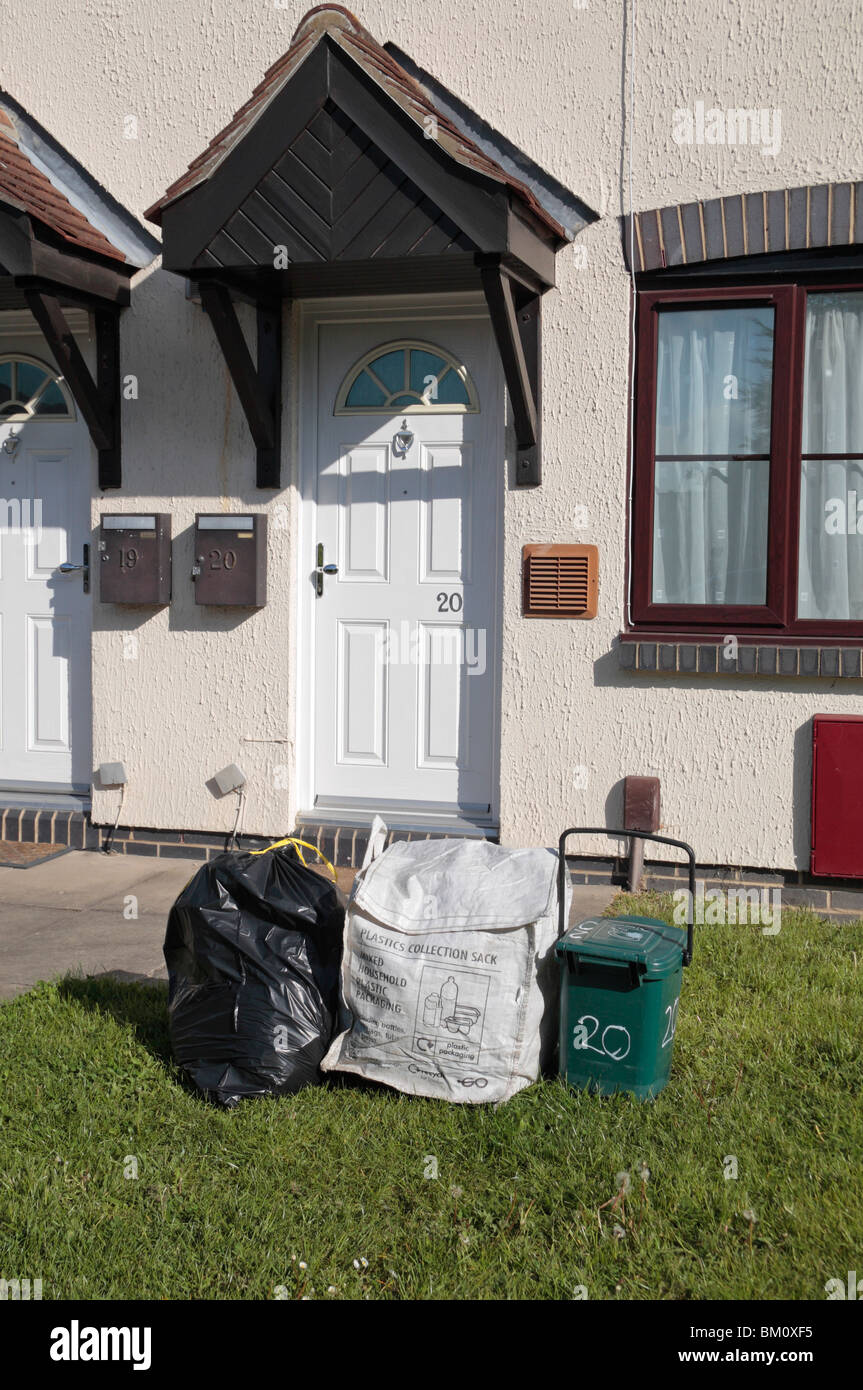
(345, 845)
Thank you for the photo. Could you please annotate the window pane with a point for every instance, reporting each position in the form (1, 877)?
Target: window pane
(424, 364)
(390, 369)
(710, 532)
(52, 401)
(30, 378)
(714, 378)
(830, 574)
(365, 392)
(451, 390)
(830, 583)
(833, 378)
(5, 381)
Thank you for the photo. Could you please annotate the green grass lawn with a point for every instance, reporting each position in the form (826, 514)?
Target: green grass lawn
(296, 1192)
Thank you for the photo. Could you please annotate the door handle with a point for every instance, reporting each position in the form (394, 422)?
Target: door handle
(83, 569)
(321, 569)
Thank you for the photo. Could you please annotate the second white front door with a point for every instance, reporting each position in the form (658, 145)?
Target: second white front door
(405, 608)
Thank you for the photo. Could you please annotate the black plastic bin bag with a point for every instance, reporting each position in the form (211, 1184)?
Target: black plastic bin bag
(253, 949)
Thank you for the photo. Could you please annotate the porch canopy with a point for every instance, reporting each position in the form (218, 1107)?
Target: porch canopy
(345, 174)
(64, 241)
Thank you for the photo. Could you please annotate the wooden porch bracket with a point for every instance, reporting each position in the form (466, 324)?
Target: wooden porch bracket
(516, 319)
(99, 400)
(258, 387)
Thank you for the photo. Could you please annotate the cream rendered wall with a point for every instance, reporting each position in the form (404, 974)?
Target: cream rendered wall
(732, 754)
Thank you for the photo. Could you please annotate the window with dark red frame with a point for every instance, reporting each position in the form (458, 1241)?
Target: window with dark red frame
(748, 486)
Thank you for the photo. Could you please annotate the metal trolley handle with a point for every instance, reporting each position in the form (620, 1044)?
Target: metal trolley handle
(622, 834)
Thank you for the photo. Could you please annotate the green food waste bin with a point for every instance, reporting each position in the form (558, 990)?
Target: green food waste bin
(620, 990)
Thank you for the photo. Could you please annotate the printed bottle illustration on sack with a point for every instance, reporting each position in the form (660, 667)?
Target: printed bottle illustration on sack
(447, 1025)
(443, 1010)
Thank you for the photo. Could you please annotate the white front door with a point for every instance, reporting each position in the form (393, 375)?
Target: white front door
(45, 615)
(408, 492)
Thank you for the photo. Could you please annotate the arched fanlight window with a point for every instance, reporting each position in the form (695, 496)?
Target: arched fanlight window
(407, 378)
(30, 389)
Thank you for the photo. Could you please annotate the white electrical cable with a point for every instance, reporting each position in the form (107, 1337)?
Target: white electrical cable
(110, 840)
(633, 311)
(241, 802)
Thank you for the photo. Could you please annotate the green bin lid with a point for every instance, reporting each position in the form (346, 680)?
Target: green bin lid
(651, 944)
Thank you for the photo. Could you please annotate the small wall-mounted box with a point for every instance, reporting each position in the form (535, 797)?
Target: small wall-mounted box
(230, 567)
(135, 558)
(641, 803)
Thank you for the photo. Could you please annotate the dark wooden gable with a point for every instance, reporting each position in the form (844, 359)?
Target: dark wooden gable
(333, 196)
(336, 172)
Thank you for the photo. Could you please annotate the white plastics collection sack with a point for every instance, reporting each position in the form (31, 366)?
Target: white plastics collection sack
(448, 983)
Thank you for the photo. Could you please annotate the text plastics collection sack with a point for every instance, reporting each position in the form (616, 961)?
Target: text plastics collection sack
(448, 969)
(253, 948)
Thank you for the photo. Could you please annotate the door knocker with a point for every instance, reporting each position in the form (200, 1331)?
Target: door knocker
(402, 440)
(11, 442)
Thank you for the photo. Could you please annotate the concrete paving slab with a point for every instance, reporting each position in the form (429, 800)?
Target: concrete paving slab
(76, 914)
(590, 900)
(43, 943)
(86, 879)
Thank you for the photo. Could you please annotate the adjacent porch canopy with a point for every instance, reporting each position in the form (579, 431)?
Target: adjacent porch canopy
(64, 240)
(342, 175)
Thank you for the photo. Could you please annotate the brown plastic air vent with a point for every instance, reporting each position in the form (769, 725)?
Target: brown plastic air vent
(560, 581)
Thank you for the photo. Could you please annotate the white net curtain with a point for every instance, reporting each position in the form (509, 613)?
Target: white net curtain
(830, 583)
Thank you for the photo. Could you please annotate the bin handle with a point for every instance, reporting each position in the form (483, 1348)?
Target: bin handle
(628, 967)
(622, 834)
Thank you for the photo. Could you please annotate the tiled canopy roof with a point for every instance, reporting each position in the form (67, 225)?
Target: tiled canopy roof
(26, 188)
(342, 28)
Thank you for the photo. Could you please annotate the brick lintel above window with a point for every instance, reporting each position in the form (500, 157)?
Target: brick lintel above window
(748, 224)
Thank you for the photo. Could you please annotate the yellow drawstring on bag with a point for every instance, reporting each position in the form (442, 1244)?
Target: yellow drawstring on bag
(296, 844)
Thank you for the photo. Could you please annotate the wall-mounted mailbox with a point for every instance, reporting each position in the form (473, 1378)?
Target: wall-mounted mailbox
(230, 566)
(135, 558)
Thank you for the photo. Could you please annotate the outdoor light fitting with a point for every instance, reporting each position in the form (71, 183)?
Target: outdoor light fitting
(230, 779)
(112, 775)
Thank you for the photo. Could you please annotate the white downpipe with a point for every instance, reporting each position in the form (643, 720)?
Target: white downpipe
(633, 312)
